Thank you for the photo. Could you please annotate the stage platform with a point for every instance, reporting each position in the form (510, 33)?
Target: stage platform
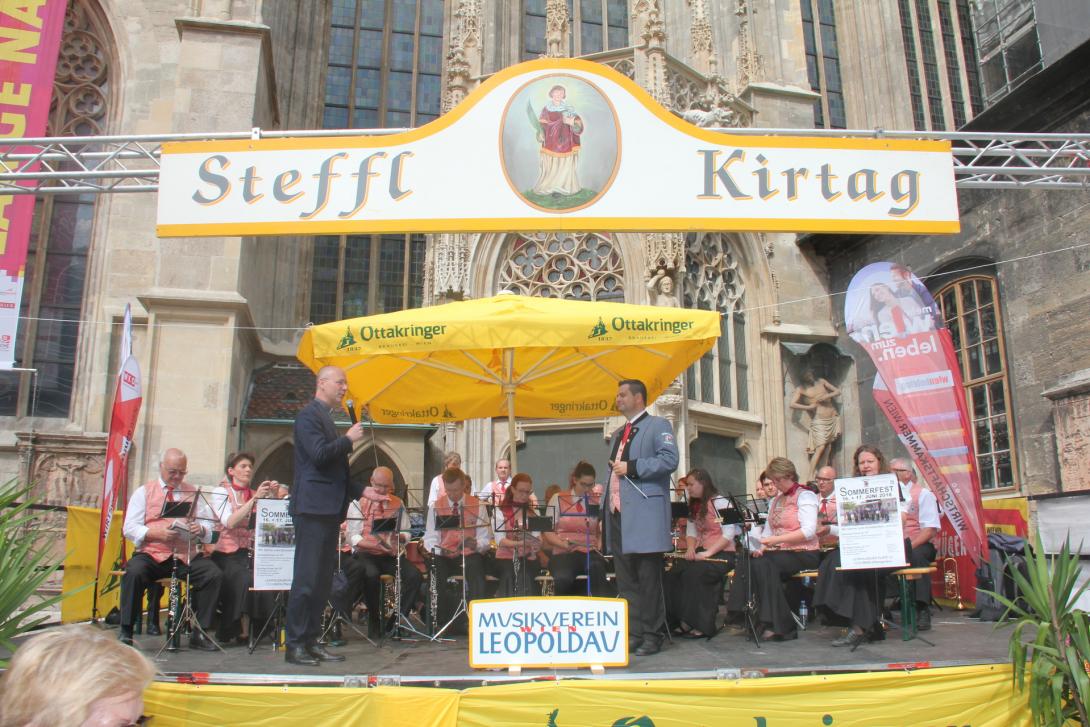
(959, 641)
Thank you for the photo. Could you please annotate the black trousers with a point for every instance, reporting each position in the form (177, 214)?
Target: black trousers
(770, 572)
(639, 581)
(234, 592)
(566, 567)
(450, 593)
(693, 588)
(364, 571)
(142, 570)
(921, 557)
(312, 576)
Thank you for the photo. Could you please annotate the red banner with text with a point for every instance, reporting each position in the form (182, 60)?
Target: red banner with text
(30, 37)
(890, 313)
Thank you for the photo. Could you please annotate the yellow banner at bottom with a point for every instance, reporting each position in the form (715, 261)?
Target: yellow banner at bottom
(974, 696)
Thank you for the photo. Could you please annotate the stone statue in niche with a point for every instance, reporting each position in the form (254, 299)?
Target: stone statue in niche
(661, 290)
(817, 396)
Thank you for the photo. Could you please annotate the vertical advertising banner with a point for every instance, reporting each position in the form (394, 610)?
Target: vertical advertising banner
(30, 36)
(128, 395)
(890, 313)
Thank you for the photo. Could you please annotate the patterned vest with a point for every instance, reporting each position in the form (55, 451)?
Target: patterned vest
(783, 516)
(450, 540)
(569, 524)
(912, 510)
(235, 539)
(709, 529)
(827, 513)
(154, 497)
(371, 510)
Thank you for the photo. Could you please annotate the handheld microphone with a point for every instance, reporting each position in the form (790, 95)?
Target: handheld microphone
(352, 411)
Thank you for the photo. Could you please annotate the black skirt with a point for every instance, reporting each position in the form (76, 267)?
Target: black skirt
(692, 591)
(855, 595)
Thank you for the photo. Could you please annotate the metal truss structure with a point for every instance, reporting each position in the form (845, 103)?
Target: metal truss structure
(100, 164)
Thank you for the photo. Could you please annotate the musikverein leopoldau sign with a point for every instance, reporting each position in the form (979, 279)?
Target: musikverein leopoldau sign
(556, 145)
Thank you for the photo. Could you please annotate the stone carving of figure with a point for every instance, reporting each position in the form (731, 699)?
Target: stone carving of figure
(817, 396)
(661, 289)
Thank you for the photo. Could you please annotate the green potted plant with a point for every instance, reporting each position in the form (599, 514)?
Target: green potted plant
(1051, 638)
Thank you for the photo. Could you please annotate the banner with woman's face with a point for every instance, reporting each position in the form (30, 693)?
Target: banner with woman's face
(887, 300)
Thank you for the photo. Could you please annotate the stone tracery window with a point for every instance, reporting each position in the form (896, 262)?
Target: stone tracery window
(60, 238)
(713, 282)
(573, 265)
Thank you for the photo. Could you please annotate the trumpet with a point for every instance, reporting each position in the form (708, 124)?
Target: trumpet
(951, 586)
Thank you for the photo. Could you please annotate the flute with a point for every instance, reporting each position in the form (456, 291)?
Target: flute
(680, 555)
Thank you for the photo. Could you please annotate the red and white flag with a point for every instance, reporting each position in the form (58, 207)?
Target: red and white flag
(127, 398)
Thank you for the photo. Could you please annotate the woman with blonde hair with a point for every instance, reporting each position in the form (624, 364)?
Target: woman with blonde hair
(75, 675)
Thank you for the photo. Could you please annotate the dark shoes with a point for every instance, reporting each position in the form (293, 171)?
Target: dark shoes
(634, 642)
(649, 646)
(300, 656)
(201, 642)
(318, 652)
(154, 630)
(125, 637)
(770, 635)
(852, 639)
(923, 619)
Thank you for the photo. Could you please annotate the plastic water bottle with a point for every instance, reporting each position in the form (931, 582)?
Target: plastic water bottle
(803, 613)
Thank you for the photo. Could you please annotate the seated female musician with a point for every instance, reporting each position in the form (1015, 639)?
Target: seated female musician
(577, 535)
(853, 595)
(693, 583)
(234, 503)
(786, 544)
(516, 546)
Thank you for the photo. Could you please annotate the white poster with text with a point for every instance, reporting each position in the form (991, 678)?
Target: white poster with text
(869, 517)
(274, 546)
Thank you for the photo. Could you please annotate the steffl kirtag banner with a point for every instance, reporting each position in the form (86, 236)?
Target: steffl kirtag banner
(559, 145)
(891, 314)
(871, 533)
(548, 632)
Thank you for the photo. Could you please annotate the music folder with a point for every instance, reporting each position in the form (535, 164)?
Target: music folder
(177, 509)
(384, 525)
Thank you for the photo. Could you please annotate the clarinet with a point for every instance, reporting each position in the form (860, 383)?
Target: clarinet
(174, 608)
(433, 593)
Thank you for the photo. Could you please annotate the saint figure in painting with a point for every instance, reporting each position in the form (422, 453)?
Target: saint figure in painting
(558, 131)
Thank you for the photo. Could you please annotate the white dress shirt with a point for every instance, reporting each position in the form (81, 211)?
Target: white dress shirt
(929, 506)
(808, 512)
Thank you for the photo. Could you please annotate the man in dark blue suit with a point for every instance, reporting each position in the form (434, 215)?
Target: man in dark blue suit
(319, 501)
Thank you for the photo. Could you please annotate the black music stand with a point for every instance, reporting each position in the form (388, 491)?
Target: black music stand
(748, 510)
(460, 522)
(337, 619)
(588, 509)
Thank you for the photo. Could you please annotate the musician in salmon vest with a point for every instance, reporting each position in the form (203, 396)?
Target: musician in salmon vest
(448, 546)
(828, 530)
(786, 544)
(374, 554)
(517, 546)
(234, 501)
(163, 544)
(920, 517)
(577, 532)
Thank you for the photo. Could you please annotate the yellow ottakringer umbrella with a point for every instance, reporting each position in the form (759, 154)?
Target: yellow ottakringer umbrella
(509, 355)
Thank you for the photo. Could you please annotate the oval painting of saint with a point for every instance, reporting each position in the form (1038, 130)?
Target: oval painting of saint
(561, 144)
